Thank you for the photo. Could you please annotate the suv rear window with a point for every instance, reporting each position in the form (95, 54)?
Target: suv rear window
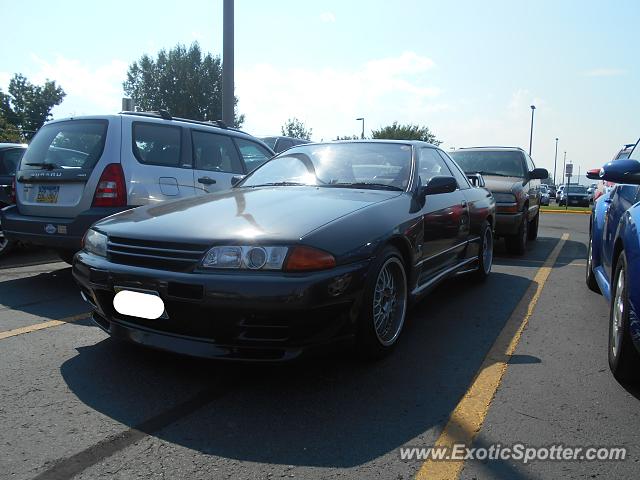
(76, 144)
(504, 163)
(157, 144)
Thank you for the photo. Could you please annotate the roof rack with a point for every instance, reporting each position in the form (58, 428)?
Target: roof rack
(165, 115)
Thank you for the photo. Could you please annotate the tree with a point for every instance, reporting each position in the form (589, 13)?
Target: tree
(9, 133)
(348, 137)
(181, 81)
(27, 106)
(406, 132)
(296, 129)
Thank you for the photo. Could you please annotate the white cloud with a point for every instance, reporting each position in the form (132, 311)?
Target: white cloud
(605, 72)
(90, 90)
(327, 17)
(329, 100)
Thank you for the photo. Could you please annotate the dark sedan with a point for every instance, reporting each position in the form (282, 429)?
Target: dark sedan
(10, 155)
(323, 243)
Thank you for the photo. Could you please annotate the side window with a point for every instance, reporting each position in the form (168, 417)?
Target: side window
(215, 153)
(252, 153)
(530, 165)
(461, 178)
(10, 161)
(156, 144)
(430, 165)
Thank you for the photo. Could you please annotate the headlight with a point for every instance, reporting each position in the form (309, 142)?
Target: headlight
(504, 197)
(95, 242)
(245, 257)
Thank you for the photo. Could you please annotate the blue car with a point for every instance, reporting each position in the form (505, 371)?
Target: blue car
(613, 261)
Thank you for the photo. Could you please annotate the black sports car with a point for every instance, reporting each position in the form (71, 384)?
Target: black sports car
(323, 243)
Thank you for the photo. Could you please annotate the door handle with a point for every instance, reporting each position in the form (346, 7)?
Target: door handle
(206, 180)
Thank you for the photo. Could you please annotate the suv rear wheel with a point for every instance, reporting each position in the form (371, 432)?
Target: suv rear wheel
(533, 227)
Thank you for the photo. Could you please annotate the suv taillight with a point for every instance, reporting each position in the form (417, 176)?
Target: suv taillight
(12, 195)
(111, 190)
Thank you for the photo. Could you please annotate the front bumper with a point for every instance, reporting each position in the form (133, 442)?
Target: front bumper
(258, 316)
(54, 232)
(579, 202)
(508, 223)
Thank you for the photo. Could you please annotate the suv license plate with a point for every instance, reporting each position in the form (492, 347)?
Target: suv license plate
(47, 194)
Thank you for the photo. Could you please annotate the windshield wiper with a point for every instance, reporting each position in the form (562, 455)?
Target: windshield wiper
(278, 184)
(495, 174)
(47, 165)
(371, 185)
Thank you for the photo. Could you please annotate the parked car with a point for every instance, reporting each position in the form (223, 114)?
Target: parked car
(591, 191)
(79, 170)
(10, 155)
(552, 191)
(574, 195)
(323, 243)
(613, 265)
(545, 197)
(603, 186)
(280, 144)
(514, 180)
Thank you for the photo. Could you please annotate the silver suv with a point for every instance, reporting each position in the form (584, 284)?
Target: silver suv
(79, 170)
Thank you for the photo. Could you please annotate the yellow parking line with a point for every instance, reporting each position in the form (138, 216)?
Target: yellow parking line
(469, 415)
(41, 326)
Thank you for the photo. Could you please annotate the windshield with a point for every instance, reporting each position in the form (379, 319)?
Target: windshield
(76, 144)
(500, 163)
(577, 189)
(361, 165)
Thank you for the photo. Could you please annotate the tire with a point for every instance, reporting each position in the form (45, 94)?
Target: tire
(382, 316)
(624, 360)
(66, 256)
(485, 255)
(517, 244)
(591, 278)
(533, 228)
(6, 245)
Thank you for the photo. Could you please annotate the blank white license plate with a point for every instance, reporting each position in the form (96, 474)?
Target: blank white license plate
(138, 304)
(47, 194)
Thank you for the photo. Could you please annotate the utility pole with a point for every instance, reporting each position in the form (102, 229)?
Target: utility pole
(362, 120)
(533, 109)
(564, 167)
(228, 97)
(555, 162)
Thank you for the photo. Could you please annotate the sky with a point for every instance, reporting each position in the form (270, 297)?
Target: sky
(468, 70)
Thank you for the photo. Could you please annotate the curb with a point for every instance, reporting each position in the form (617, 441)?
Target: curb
(575, 212)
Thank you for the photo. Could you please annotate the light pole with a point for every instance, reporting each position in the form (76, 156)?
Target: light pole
(227, 63)
(361, 119)
(533, 109)
(564, 168)
(555, 162)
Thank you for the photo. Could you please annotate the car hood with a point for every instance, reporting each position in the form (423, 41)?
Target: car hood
(242, 214)
(498, 184)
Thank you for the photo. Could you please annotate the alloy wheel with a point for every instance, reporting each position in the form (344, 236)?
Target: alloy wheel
(390, 301)
(618, 314)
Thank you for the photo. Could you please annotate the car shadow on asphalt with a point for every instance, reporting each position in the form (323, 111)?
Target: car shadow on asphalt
(332, 411)
(538, 251)
(45, 294)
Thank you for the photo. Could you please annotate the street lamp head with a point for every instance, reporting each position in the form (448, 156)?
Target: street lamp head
(556, 139)
(359, 118)
(533, 107)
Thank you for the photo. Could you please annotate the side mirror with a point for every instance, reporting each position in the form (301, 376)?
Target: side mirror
(620, 171)
(439, 184)
(538, 174)
(236, 179)
(476, 179)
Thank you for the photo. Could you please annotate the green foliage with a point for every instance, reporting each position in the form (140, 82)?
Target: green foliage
(9, 133)
(296, 129)
(27, 106)
(348, 137)
(406, 132)
(182, 81)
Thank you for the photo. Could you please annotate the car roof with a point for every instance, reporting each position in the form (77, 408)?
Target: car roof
(416, 143)
(13, 145)
(493, 147)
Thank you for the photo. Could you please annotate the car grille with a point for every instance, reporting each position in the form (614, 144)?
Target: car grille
(179, 257)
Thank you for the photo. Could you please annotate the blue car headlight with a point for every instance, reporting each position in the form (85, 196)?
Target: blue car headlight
(95, 242)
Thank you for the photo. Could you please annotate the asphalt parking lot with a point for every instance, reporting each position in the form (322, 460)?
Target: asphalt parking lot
(76, 404)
